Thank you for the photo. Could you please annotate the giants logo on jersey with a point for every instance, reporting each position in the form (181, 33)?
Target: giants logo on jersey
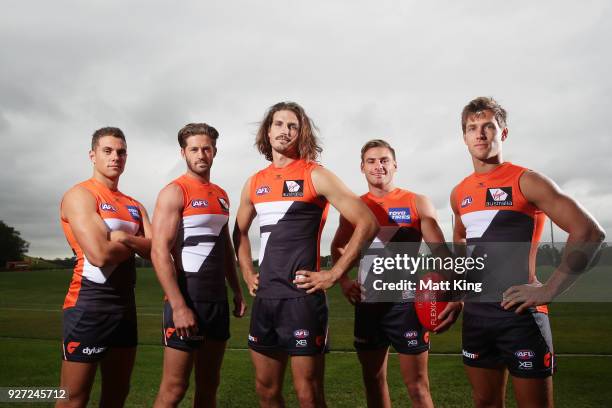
(499, 197)
(224, 204)
(107, 207)
(293, 188)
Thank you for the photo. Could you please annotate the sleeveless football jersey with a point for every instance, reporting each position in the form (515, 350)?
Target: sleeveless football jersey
(111, 288)
(200, 249)
(494, 211)
(399, 221)
(291, 218)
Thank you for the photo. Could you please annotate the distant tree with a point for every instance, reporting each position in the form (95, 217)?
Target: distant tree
(12, 246)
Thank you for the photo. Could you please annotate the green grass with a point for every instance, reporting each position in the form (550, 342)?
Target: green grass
(30, 351)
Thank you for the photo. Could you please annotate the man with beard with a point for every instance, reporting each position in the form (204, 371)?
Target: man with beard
(193, 257)
(291, 198)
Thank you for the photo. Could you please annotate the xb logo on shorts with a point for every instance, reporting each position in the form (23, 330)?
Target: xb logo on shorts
(293, 188)
(199, 203)
(499, 197)
(524, 356)
(300, 337)
(107, 207)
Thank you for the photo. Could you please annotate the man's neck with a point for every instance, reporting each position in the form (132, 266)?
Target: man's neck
(380, 191)
(111, 184)
(280, 161)
(202, 178)
(485, 166)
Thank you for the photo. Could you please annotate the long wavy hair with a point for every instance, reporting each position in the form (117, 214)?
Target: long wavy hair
(307, 142)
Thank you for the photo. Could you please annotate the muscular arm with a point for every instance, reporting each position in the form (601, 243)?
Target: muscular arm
(166, 221)
(350, 288)
(141, 244)
(585, 235)
(231, 275)
(356, 213)
(80, 209)
(244, 218)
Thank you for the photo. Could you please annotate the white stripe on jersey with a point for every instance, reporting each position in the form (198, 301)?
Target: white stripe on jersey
(192, 257)
(271, 212)
(477, 222)
(100, 275)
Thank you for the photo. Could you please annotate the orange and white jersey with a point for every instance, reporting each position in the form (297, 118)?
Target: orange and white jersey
(494, 210)
(200, 250)
(397, 216)
(111, 288)
(291, 218)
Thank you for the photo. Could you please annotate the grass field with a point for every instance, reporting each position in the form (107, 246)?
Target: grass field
(30, 351)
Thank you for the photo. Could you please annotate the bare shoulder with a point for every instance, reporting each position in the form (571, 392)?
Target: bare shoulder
(171, 195)
(535, 185)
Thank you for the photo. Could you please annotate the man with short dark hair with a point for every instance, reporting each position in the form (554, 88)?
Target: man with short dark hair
(104, 228)
(291, 198)
(193, 257)
(497, 208)
(404, 217)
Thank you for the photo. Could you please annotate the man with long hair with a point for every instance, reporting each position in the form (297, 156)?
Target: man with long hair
(291, 198)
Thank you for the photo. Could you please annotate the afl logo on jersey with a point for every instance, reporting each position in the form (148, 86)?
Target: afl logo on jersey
(399, 215)
(263, 190)
(301, 333)
(198, 203)
(107, 207)
(293, 188)
(466, 201)
(134, 212)
(499, 197)
(223, 203)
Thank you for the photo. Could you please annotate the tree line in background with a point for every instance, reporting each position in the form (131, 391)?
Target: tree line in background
(14, 248)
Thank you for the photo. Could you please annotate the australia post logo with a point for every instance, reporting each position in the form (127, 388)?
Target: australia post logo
(293, 188)
(199, 203)
(499, 197)
(107, 207)
(399, 215)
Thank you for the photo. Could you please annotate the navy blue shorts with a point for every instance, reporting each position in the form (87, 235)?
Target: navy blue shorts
(378, 325)
(522, 343)
(213, 323)
(297, 326)
(88, 335)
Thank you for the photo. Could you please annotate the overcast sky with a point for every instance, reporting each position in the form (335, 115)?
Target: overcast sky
(398, 70)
